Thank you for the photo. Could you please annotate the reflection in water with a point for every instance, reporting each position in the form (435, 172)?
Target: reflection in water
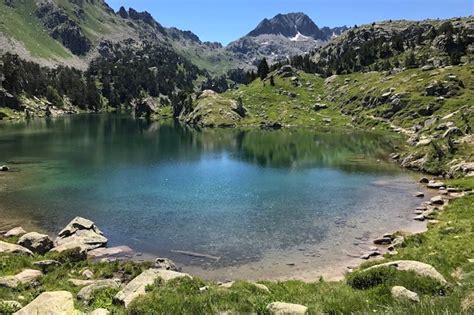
(160, 187)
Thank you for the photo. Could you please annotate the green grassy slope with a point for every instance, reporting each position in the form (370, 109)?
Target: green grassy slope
(22, 25)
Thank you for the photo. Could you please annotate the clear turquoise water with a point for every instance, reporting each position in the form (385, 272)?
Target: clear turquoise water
(230, 193)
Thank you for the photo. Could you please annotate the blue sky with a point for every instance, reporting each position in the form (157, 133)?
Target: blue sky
(227, 20)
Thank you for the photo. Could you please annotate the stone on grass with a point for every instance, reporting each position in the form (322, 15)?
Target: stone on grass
(27, 276)
(80, 282)
(136, 287)
(36, 242)
(48, 303)
(403, 294)
(261, 287)
(100, 311)
(85, 294)
(280, 308)
(9, 248)
(419, 268)
(467, 304)
(17, 231)
(86, 273)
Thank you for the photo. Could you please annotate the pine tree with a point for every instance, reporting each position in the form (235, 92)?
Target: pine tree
(263, 69)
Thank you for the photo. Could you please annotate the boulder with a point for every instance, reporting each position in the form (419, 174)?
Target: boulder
(280, 308)
(14, 249)
(383, 241)
(165, 263)
(4, 168)
(424, 180)
(145, 107)
(435, 185)
(85, 294)
(467, 304)
(319, 106)
(437, 200)
(80, 233)
(420, 194)
(48, 303)
(453, 131)
(403, 294)
(86, 273)
(100, 311)
(18, 231)
(136, 287)
(419, 268)
(77, 224)
(27, 276)
(261, 287)
(36, 242)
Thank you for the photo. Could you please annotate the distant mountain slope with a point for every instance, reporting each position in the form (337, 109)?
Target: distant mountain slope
(64, 32)
(283, 36)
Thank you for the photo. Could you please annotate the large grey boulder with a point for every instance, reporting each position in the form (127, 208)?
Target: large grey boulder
(51, 303)
(80, 233)
(136, 287)
(77, 224)
(403, 294)
(9, 248)
(27, 276)
(280, 308)
(419, 268)
(36, 242)
(85, 294)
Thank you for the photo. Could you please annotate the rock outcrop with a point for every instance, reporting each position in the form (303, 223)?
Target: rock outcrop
(80, 233)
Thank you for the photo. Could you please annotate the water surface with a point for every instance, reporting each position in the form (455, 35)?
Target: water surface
(240, 195)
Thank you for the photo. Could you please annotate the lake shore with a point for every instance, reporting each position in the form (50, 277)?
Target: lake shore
(330, 258)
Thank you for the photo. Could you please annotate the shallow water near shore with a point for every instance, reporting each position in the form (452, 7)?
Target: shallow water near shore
(265, 204)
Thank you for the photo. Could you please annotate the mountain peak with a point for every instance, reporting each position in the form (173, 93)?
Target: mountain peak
(288, 25)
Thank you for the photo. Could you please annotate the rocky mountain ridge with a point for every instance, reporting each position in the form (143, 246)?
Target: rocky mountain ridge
(281, 37)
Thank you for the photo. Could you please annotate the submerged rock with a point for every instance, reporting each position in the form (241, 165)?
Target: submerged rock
(4, 168)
